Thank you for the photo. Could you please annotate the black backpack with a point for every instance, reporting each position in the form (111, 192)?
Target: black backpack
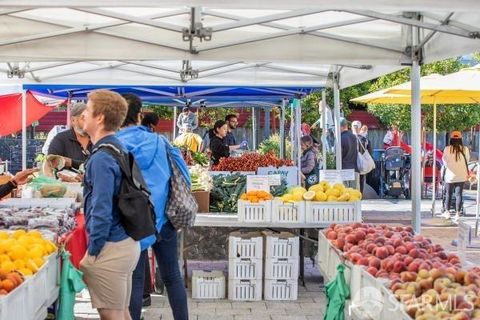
(137, 214)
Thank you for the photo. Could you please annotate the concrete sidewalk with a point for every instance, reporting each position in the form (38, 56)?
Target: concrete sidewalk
(310, 305)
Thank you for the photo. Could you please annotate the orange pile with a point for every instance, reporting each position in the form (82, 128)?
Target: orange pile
(256, 196)
(10, 281)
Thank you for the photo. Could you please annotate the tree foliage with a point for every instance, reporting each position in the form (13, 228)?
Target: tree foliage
(449, 117)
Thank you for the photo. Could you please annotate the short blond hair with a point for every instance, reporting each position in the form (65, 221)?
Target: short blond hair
(111, 105)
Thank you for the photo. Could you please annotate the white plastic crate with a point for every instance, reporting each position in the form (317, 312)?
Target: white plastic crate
(281, 245)
(333, 212)
(36, 291)
(208, 284)
(245, 245)
(254, 212)
(281, 268)
(15, 304)
(291, 212)
(281, 289)
(329, 258)
(52, 278)
(244, 290)
(245, 268)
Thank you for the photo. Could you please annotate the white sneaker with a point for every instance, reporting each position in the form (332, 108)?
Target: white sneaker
(455, 218)
(446, 215)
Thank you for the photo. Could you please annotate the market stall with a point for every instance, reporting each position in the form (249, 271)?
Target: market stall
(31, 233)
(393, 273)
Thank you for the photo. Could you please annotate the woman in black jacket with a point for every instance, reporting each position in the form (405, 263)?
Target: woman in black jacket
(20, 178)
(217, 146)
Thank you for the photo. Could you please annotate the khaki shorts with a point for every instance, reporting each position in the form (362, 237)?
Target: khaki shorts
(109, 277)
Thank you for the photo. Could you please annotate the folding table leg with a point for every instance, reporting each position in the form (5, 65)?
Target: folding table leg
(302, 258)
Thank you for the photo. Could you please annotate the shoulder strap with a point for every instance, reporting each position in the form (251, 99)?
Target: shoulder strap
(464, 158)
(119, 156)
(359, 142)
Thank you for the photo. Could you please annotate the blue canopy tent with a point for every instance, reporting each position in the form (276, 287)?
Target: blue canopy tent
(205, 96)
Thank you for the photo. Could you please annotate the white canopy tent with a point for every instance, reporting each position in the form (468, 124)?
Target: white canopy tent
(337, 43)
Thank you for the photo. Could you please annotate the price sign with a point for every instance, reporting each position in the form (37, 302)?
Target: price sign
(287, 174)
(337, 176)
(331, 176)
(258, 183)
(348, 174)
(274, 179)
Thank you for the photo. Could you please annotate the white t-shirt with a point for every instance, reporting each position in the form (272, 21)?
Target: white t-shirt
(55, 130)
(455, 169)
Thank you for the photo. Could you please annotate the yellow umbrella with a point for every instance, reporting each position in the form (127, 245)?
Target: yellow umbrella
(462, 87)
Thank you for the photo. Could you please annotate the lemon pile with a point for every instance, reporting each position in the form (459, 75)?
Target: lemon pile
(23, 251)
(336, 193)
(322, 192)
(294, 194)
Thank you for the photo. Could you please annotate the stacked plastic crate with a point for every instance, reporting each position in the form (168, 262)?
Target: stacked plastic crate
(208, 284)
(281, 266)
(245, 266)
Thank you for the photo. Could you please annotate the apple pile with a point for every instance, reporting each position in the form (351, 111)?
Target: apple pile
(440, 293)
(388, 251)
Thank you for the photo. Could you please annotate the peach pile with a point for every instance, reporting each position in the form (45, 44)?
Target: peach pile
(429, 282)
(388, 251)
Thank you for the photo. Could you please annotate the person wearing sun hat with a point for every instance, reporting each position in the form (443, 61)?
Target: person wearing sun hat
(455, 159)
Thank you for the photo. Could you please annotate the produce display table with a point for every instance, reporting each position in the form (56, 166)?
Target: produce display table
(32, 298)
(223, 220)
(231, 221)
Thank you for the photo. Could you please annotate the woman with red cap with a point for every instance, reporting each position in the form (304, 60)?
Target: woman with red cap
(455, 159)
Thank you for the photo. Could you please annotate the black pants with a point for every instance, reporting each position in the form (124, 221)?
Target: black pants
(363, 178)
(458, 189)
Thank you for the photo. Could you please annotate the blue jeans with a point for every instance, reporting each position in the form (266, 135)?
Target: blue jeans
(165, 249)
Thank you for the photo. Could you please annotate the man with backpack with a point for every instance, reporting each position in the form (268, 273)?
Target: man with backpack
(112, 253)
(151, 153)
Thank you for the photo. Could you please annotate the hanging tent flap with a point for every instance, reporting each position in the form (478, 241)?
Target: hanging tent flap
(11, 109)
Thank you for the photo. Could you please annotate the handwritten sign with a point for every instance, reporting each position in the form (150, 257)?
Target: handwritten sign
(274, 179)
(337, 176)
(258, 183)
(348, 174)
(289, 175)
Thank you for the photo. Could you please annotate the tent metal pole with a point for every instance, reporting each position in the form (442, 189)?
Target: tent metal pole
(293, 132)
(434, 177)
(24, 129)
(324, 129)
(254, 129)
(282, 130)
(266, 127)
(338, 143)
(174, 123)
(69, 108)
(477, 213)
(298, 117)
(416, 145)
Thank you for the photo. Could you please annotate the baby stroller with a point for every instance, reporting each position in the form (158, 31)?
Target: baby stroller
(428, 174)
(395, 178)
